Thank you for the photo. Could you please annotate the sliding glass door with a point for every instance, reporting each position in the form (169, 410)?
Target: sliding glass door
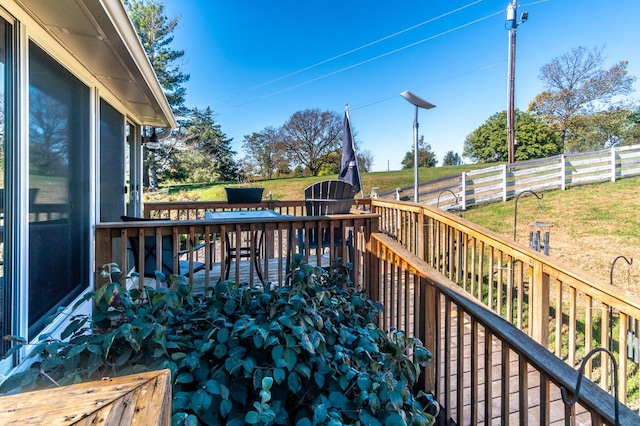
(59, 187)
(112, 156)
(6, 136)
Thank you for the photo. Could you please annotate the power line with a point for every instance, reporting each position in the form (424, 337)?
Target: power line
(304, 83)
(395, 95)
(364, 46)
(349, 52)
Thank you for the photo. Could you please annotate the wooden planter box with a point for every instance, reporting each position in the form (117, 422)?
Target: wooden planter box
(243, 195)
(140, 399)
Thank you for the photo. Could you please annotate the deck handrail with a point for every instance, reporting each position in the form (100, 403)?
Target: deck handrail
(405, 277)
(195, 209)
(199, 241)
(537, 294)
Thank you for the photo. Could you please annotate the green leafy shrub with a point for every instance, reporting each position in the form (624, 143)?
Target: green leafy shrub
(307, 353)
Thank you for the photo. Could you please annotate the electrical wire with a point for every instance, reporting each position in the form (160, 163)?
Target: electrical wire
(395, 95)
(364, 46)
(304, 83)
(349, 52)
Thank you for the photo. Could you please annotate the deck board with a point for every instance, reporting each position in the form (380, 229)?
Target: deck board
(275, 269)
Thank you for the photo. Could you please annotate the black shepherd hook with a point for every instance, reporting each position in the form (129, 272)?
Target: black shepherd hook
(442, 192)
(515, 211)
(571, 403)
(629, 262)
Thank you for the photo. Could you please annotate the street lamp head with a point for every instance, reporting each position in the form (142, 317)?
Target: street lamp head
(419, 103)
(416, 100)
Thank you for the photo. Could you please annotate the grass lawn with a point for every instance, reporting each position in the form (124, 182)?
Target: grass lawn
(293, 188)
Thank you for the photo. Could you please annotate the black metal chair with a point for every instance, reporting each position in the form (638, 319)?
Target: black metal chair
(150, 254)
(238, 251)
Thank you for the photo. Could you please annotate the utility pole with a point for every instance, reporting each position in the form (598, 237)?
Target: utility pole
(512, 10)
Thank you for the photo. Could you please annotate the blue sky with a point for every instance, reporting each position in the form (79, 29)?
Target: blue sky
(256, 62)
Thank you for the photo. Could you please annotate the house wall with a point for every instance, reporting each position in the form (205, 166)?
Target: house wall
(51, 205)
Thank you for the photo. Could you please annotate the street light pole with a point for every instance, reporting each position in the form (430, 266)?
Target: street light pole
(416, 162)
(419, 103)
(512, 9)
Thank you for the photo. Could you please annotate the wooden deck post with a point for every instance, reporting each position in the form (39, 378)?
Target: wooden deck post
(429, 311)
(371, 282)
(539, 305)
(421, 240)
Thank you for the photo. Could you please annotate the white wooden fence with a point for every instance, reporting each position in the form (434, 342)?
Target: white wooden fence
(504, 181)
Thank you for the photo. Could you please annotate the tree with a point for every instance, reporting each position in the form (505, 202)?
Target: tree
(311, 136)
(632, 134)
(603, 129)
(365, 160)
(155, 33)
(189, 165)
(266, 152)
(451, 159)
(203, 134)
(577, 85)
(49, 155)
(426, 157)
(534, 139)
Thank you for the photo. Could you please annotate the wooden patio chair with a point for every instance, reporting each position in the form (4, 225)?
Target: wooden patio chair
(326, 198)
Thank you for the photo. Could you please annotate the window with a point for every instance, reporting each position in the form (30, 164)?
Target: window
(6, 111)
(112, 144)
(59, 187)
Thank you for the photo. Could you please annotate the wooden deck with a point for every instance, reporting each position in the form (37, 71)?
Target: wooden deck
(276, 268)
(404, 247)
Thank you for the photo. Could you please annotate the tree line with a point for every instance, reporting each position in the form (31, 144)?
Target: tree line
(309, 143)
(583, 107)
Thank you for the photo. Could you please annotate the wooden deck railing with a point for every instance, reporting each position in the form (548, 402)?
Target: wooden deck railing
(193, 210)
(408, 269)
(470, 343)
(194, 239)
(555, 305)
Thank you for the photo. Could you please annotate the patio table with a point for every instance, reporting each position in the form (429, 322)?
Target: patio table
(242, 214)
(238, 251)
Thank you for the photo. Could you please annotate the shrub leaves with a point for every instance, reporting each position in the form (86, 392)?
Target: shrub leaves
(306, 353)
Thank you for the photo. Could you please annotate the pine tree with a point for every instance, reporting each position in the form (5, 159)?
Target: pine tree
(155, 31)
(207, 137)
